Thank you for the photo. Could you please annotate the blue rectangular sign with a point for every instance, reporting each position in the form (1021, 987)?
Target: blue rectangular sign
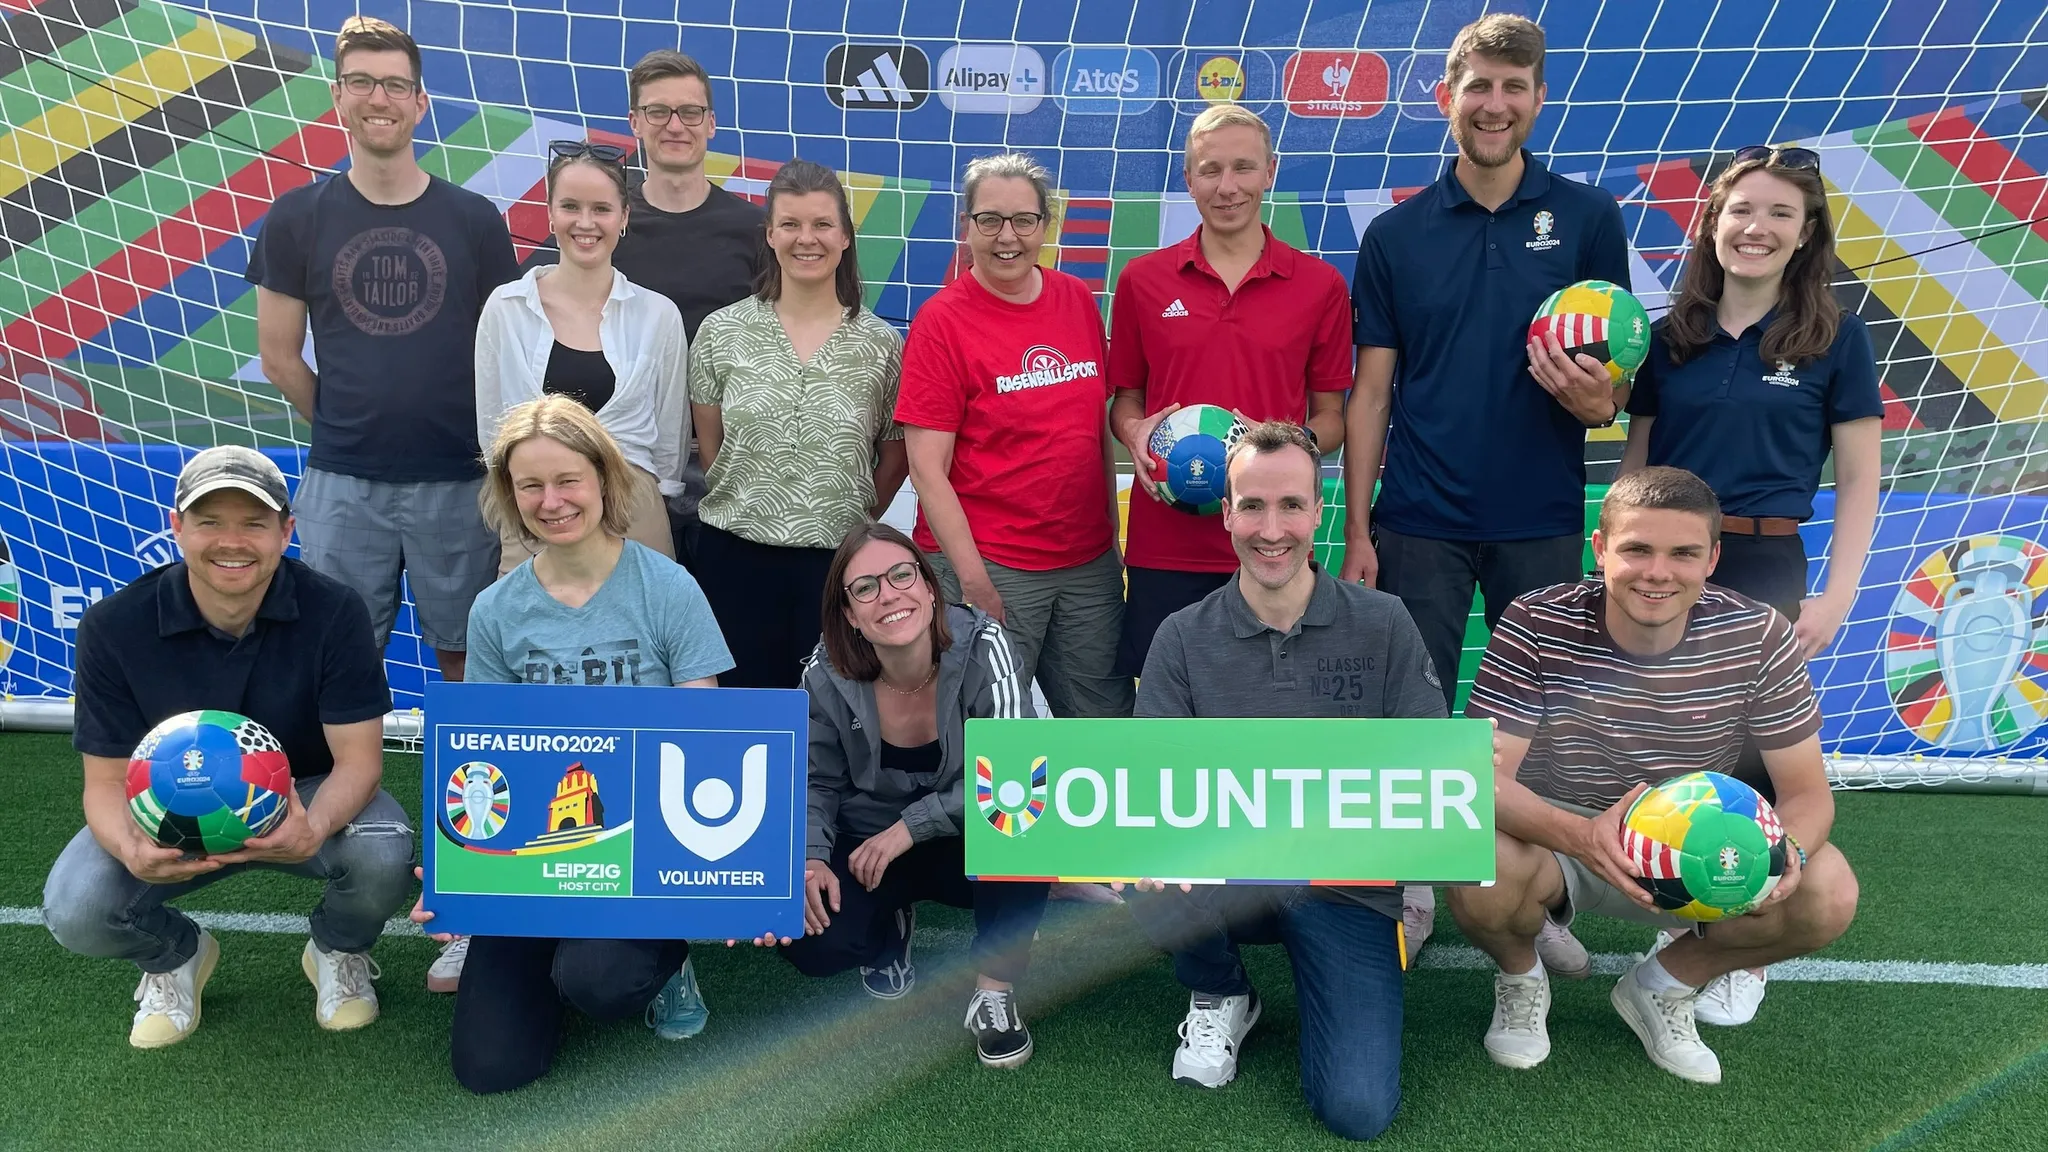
(621, 813)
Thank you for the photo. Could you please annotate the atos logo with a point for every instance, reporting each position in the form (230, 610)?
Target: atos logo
(1105, 81)
(714, 798)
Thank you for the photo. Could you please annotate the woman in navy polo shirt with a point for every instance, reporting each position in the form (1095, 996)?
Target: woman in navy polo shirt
(1755, 376)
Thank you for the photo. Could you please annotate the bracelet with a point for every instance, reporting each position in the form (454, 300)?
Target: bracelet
(1796, 848)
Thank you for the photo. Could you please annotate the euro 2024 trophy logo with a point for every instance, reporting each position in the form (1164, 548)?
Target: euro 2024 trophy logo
(1966, 658)
(1008, 807)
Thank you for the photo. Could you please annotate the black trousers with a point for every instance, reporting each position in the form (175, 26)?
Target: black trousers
(1006, 912)
(1435, 579)
(1771, 569)
(767, 600)
(509, 1007)
(1150, 596)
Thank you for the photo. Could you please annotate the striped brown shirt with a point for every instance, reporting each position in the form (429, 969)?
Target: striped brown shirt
(1600, 720)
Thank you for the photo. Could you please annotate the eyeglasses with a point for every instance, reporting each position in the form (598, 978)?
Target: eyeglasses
(658, 114)
(578, 149)
(900, 576)
(991, 223)
(1796, 159)
(362, 84)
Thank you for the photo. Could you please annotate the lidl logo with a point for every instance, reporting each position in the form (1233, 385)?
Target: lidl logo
(1329, 83)
(1105, 81)
(1220, 80)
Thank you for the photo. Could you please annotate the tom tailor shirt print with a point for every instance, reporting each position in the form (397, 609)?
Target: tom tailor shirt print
(797, 465)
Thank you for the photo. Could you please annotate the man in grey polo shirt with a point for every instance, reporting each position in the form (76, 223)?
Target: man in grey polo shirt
(1286, 639)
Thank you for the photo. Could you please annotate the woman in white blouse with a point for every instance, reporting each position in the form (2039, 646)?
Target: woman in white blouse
(579, 328)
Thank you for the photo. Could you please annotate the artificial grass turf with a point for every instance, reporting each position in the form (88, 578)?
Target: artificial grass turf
(789, 1062)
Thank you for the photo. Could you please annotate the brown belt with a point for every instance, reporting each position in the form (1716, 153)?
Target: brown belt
(1760, 526)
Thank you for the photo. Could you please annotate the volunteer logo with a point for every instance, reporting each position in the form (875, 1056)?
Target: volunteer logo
(1220, 80)
(1783, 377)
(878, 77)
(1008, 808)
(1175, 309)
(714, 798)
(1545, 225)
(1105, 81)
(1043, 365)
(1322, 83)
(1006, 79)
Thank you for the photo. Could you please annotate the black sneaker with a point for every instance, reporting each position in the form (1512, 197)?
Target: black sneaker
(894, 979)
(1000, 1037)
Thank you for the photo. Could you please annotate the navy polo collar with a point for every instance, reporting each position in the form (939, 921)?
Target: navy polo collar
(177, 611)
(1762, 326)
(1321, 611)
(1535, 182)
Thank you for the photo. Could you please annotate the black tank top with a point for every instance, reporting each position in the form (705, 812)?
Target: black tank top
(585, 377)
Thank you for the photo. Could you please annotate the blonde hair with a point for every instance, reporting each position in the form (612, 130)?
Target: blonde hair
(574, 427)
(1217, 116)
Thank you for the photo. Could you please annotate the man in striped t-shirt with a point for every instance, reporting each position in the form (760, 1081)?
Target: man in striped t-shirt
(1597, 691)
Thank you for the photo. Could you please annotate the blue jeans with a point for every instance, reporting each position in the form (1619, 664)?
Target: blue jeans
(1347, 984)
(95, 907)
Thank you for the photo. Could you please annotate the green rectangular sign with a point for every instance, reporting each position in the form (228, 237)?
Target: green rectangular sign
(1215, 800)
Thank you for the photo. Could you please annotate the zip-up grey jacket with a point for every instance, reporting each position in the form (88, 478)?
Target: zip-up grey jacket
(850, 793)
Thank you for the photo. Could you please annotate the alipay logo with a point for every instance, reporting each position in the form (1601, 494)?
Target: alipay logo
(997, 78)
(714, 798)
(1105, 81)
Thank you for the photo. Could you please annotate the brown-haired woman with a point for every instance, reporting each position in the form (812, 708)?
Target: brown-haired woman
(1752, 380)
(791, 390)
(896, 677)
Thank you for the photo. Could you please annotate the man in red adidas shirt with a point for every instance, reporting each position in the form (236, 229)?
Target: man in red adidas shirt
(1231, 316)
(1002, 413)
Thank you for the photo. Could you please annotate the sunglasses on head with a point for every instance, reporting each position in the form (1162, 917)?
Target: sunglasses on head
(578, 149)
(1794, 158)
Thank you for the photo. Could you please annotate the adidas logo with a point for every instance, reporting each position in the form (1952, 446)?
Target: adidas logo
(1175, 309)
(877, 76)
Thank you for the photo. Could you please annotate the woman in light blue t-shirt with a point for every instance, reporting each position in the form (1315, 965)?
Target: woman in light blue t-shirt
(596, 608)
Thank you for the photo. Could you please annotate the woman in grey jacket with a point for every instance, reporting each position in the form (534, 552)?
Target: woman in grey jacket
(892, 685)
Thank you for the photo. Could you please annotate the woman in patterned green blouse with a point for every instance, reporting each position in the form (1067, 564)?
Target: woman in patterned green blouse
(791, 391)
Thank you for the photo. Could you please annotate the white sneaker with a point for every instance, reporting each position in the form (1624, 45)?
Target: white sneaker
(1663, 1021)
(1418, 919)
(446, 973)
(1519, 1036)
(1728, 1001)
(1561, 951)
(343, 999)
(169, 1001)
(1210, 1036)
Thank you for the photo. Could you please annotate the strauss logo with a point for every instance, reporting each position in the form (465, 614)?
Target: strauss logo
(1338, 77)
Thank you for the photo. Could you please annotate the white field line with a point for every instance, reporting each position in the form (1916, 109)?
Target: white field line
(1433, 959)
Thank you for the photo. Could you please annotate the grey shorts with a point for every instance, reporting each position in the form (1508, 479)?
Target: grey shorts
(369, 533)
(1586, 894)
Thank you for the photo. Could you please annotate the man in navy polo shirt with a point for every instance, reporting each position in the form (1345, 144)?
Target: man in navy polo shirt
(1485, 476)
(1285, 639)
(237, 627)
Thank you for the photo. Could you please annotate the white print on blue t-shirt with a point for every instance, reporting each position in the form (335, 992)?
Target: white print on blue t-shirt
(1783, 378)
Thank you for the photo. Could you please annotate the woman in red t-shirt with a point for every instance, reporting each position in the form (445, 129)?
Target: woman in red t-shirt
(1003, 404)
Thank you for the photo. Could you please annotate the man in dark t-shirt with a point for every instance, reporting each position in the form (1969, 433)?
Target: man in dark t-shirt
(1601, 689)
(392, 267)
(1283, 638)
(686, 238)
(233, 627)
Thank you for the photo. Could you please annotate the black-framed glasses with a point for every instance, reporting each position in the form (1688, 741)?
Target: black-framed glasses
(1796, 159)
(578, 149)
(658, 114)
(991, 223)
(362, 84)
(900, 576)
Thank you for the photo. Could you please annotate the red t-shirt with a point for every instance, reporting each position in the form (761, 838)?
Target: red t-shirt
(1022, 386)
(1177, 333)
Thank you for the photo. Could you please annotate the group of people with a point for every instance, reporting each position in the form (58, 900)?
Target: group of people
(682, 432)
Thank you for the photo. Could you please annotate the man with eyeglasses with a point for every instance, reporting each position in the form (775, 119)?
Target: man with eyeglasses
(686, 238)
(392, 267)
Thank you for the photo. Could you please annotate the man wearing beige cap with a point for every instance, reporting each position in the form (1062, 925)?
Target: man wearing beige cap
(234, 626)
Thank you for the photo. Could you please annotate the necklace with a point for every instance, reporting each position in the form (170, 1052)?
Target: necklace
(914, 691)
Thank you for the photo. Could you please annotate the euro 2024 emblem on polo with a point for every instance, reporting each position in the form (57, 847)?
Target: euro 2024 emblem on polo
(1008, 807)
(1960, 648)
